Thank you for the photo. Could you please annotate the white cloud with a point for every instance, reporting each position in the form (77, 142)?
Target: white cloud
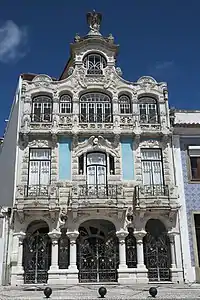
(12, 40)
(164, 65)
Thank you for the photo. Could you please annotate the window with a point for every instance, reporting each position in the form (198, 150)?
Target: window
(96, 168)
(41, 109)
(95, 108)
(65, 104)
(194, 155)
(148, 110)
(39, 167)
(94, 63)
(152, 167)
(94, 162)
(125, 104)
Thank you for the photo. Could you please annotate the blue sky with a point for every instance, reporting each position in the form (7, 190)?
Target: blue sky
(158, 38)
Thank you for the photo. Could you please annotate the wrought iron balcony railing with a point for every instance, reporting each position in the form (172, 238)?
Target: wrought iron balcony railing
(41, 117)
(145, 191)
(95, 118)
(34, 191)
(149, 119)
(93, 191)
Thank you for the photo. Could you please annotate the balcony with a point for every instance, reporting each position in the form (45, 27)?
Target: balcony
(41, 121)
(155, 196)
(33, 198)
(95, 121)
(97, 195)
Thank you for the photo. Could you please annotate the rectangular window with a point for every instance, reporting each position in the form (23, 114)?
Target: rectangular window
(152, 167)
(194, 156)
(39, 167)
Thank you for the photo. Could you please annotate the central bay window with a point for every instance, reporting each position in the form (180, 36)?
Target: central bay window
(148, 110)
(42, 109)
(152, 170)
(96, 166)
(95, 108)
(39, 171)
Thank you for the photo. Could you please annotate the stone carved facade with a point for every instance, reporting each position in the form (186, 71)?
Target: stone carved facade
(68, 202)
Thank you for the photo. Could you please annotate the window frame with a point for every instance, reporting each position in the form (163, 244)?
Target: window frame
(189, 165)
(96, 70)
(41, 160)
(38, 100)
(86, 105)
(141, 101)
(150, 160)
(61, 101)
(125, 104)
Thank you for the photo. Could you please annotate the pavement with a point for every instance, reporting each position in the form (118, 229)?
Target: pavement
(90, 291)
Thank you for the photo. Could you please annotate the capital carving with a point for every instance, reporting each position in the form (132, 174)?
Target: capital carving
(21, 236)
(139, 236)
(171, 235)
(72, 236)
(122, 234)
(54, 235)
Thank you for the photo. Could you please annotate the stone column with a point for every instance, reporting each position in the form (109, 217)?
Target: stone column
(140, 250)
(54, 235)
(122, 234)
(142, 272)
(72, 277)
(172, 249)
(17, 273)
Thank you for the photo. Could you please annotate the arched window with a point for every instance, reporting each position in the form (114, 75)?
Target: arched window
(65, 104)
(148, 110)
(94, 63)
(42, 109)
(125, 104)
(95, 108)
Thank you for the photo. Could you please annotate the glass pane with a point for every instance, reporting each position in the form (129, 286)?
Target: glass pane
(96, 158)
(45, 173)
(34, 172)
(40, 154)
(147, 172)
(151, 154)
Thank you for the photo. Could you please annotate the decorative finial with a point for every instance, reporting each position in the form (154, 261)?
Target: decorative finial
(94, 21)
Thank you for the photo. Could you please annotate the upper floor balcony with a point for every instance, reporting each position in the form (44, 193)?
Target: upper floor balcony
(155, 197)
(33, 198)
(94, 111)
(96, 195)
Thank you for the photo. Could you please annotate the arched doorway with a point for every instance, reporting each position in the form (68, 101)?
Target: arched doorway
(157, 251)
(36, 253)
(97, 252)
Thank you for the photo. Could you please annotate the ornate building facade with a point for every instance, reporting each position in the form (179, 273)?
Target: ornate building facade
(95, 192)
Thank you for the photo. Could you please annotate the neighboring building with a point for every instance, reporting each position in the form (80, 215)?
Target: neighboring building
(187, 144)
(95, 193)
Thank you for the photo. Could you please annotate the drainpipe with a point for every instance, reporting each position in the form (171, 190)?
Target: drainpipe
(6, 246)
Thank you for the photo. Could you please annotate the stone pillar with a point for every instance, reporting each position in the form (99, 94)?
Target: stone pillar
(72, 277)
(17, 276)
(142, 272)
(172, 249)
(123, 271)
(54, 235)
(176, 273)
(53, 273)
(122, 248)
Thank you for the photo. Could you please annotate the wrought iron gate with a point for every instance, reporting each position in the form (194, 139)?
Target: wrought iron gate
(157, 257)
(98, 259)
(36, 258)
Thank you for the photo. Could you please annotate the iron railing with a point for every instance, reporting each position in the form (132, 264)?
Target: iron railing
(145, 191)
(95, 118)
(149, 119)
(37, 190)
(98, 191)
(41, 117)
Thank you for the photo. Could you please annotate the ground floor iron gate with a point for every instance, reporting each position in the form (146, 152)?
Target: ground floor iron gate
(157, 257)
(97, 259)
(36, 257)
